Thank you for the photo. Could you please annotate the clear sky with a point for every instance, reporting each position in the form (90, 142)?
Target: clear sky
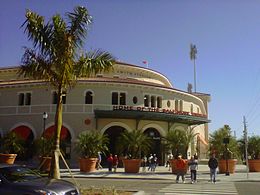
(226, 34)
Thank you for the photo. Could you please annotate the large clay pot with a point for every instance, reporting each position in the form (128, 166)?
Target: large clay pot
(132, 165)
(87, 164)
(173, 166)
(231, 165)
(45, 163)
(254, 165)
(7, 158)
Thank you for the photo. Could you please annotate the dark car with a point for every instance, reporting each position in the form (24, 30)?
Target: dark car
(17, 179)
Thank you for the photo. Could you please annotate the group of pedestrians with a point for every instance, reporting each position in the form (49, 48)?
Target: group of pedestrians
(112, 162)
(192, 165)
(151, 162)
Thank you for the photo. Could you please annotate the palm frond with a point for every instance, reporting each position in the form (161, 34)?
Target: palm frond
(94, 62)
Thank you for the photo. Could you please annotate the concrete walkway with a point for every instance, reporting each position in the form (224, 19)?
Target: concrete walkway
(162, 173)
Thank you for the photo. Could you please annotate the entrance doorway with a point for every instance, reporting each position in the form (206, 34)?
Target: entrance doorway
(156, 144)
(112, 133)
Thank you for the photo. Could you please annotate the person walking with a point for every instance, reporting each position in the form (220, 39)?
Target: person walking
(213, 165)
(180, 169)
(110, 162)
(193, 165)
(99, 161)
(115, 162)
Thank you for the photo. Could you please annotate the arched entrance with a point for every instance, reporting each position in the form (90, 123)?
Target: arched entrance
(113, 133)
(65, 137)
(26, 134)
(156, 144)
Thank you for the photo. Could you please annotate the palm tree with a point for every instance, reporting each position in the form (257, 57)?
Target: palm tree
(54, 59)
(189, 136)
(217, 146)
(174, 141)
(134, 143)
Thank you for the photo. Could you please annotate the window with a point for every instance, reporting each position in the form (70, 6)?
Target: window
(169, 103)
(24, 99)
(55, 98)
(135, 100)
(118, 98)
(153, 101)
(114, 98)
(89, 98)
(122, 99)
(177, 105)
(28, 99)
(146, 100)
(21, 99)
(159, 102)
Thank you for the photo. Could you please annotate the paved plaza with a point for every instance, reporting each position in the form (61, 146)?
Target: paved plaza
(225, 185)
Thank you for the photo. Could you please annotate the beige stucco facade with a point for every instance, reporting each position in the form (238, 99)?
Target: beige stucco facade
(128, 97)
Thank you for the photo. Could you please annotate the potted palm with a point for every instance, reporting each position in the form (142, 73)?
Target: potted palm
(254, 153)
(43, 149)
(88, 145)
(226, 149)
(11, 146)
(133, 144)
(176, 141)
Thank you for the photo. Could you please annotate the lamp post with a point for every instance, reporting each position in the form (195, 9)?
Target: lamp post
(44, 116)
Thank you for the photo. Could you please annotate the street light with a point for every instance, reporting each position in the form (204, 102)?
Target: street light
(44, 116)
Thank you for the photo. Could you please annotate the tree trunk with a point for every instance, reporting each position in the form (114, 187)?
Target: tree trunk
(55, 167)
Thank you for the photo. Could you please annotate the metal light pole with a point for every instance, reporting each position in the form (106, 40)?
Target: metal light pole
(44, 116)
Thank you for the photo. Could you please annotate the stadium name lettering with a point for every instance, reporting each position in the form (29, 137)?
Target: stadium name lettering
(160, 110)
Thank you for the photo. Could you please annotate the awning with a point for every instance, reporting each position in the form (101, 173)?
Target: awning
(202, 140)
(159, 116)
(48, 133)
(23, 131)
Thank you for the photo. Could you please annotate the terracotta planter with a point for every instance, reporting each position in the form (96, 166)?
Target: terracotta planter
(45, 163)
(231, 165)
(87, 164)
(7, 158)
(132, 165)
(173, 165)
(254, 165)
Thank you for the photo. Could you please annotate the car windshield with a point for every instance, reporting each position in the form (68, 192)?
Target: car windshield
(18, 174)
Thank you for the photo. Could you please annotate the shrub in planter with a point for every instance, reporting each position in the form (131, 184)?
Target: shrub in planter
(254, 153)
(218, 141)
(133, 144)
(88, 145)
(11, 146)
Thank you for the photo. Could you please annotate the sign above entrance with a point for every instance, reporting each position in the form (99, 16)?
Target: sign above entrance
(157, 110)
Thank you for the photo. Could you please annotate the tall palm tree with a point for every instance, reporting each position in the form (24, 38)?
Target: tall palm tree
(54, 59)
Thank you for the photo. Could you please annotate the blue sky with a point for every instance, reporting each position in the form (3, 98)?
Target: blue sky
(226, 34)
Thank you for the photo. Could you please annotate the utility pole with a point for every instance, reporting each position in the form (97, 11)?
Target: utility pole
(246, 145)
(193, 53)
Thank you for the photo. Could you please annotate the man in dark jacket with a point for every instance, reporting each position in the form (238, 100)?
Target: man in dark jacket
(213, 165)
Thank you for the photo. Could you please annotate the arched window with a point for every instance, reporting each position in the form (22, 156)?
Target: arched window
(89, 97)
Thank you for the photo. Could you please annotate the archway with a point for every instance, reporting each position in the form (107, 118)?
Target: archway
(156, 144)
(26, 134)
(113, 133)
(65, 137)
